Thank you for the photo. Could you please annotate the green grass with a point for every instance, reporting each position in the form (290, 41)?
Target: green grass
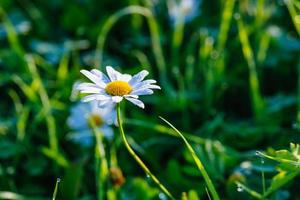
(230, 85)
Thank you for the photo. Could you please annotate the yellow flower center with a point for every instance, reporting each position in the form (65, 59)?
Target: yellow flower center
(118, 88)
(95, 120)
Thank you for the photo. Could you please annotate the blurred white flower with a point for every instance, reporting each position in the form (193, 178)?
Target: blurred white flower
(185, 9)
(83, 115)
(116, 87)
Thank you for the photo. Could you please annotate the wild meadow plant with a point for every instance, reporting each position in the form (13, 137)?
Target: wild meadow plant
(111, 90)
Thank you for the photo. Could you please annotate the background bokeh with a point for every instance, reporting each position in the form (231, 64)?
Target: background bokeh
(229, 76)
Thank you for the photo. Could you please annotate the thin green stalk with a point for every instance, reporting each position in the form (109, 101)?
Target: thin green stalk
(143, 60)
(298, 112)
(176, 42)
(154, 32)
(198, 162)
(22, 112)
(257, 100)
(135, 156)
(101, 163)
(249, 191)
(293, 13)
(223, 35)
(50, 120)
(55, 189)
(263, 184)
(260, 16)
(11, 34)
(225, 24)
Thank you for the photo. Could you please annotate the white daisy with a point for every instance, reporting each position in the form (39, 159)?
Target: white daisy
(83, 114)
(188, 9)
(116, 86)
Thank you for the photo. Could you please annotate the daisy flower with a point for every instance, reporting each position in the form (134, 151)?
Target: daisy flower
(83, 115)
(116, 86)
(183, 8)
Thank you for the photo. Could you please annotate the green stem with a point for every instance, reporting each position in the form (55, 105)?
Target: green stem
(55, 189)
(135, 156)
(101, 164)
(298, 112)
(263, 184)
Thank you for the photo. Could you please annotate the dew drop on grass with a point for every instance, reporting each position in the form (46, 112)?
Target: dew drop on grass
(295, 125)
(262, 161)
(237, 16)
(147, 176)
(239, 188)
(257, 153)
(162, 196)
(58, 180)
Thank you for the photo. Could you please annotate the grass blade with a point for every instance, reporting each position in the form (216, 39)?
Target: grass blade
(198, 162)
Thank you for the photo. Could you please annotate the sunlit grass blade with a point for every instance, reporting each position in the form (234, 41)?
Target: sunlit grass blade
(62, 72)
(154, 32)
(257, 100)
(11, 34)
(278, 181)
(198, 162)
(137, 158)
(50, 120)
(225, 24)
(177, 37)
(143, 60)
(293, 12)
(101, 166)
(23, 113)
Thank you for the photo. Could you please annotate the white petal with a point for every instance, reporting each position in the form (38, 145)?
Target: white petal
(143, 84)
(81, 86)
(116, 99)
(124, 77)
(97, 80)
(132, 96)
(112, 73)
(89, 91)
(105, 103)
(98, 97)
(144, 91)
(89, 98)
(153, 87)
(92, 90)
(138, 77)
(103, 97)
(101, 75)
(136, 102)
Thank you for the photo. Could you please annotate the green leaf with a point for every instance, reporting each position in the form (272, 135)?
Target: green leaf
(280, 180)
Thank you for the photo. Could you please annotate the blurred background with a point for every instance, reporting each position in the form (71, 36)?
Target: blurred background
(229, 76)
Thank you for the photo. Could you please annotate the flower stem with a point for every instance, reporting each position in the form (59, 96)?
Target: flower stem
(135, 156)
